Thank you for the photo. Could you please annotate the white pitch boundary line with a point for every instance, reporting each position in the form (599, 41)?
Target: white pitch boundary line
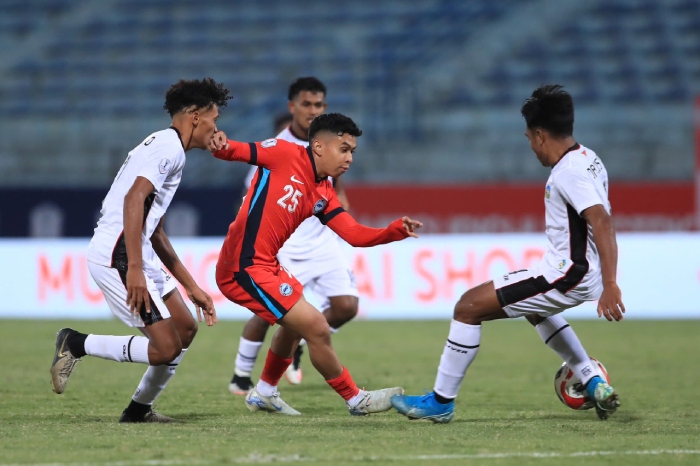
(256, 458)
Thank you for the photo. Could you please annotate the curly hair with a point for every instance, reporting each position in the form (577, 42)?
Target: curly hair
(551, 108)
(333, 123)
(202, 94)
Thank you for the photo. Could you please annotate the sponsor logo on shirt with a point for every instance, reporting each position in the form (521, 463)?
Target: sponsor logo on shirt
(320, 205)
(547, 191)
(562, 264)
(164, 166)
(268, 143)
(285, 289)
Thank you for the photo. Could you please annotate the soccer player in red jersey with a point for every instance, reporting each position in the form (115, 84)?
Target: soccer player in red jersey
(290, 186)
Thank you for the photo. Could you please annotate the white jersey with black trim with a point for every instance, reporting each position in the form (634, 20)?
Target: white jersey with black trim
(311, 238)
(578, 181)
(160, 158)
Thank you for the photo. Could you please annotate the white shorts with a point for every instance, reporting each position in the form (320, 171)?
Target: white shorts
(327, 276)
(112, 282)
(527, 292)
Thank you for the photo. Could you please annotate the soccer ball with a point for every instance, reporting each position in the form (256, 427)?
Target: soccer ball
(568, 388)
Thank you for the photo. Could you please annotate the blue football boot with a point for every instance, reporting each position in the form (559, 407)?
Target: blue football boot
(424, 407)
(606, 398)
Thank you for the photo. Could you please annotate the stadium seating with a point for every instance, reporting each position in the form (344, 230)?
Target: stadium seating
(402, 69)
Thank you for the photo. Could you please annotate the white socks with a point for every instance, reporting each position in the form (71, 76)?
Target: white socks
(355, 400)
(558, 335)
(246, 357)
(265, 389)
(460, 350)
(122, 349)
(154, 381)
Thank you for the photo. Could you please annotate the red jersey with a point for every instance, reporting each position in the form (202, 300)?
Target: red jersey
(284, 192)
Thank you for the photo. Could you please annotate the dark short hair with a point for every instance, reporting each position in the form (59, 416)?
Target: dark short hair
(333, 123)
(202, 94)
(550, 108)
(308, 83)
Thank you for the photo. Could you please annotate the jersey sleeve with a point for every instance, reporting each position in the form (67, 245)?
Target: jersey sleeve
(578, 190)
(249, 177)
(355, 234)
(158, 165)
(266, 154)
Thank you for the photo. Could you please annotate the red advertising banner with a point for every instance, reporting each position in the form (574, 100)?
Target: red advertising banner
(667, 206)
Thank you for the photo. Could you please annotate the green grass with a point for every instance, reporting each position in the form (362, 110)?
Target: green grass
(507, 404)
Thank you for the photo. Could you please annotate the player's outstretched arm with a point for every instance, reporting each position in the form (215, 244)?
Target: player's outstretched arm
(266, 154)
(359, 235)
(165, 251)
(610, 303)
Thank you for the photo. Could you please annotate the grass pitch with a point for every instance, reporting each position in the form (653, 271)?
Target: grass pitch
(507, 413)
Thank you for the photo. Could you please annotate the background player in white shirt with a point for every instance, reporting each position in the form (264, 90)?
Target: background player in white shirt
(580, 265)
(125, 254)
(312, 254)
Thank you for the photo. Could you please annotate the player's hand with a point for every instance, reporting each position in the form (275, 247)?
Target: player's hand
(204, 305)
(218, 141)
(411, 226)
(137, 291)
(610, 303)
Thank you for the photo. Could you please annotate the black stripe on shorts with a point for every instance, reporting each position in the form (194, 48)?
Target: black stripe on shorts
(148, 318)
(522, 290)
(246, 281)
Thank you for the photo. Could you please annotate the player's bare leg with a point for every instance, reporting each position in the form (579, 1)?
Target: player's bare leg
(303, 320)
(342, 310)
(249, 346)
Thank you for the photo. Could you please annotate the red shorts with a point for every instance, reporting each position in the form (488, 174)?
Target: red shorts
(267, 292)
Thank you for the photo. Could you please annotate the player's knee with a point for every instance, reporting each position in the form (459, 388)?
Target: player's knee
(345, 307)
(188, 333)
(467, 309)
(165, 354)
(318, 331)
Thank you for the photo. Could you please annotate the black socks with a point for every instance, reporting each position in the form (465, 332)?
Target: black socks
(76, 344)
(136, 410)
(442, 400)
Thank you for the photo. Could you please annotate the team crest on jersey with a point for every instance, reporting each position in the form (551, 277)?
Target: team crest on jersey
(320, 205)
(164, 166)
(286, 289)
(547, 191)
(268, 143)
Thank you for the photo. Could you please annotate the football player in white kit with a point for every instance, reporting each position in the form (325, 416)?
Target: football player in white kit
(312, 254)
(125, 254)
(580, 265)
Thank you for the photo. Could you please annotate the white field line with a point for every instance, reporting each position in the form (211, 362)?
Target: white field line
(256, 458)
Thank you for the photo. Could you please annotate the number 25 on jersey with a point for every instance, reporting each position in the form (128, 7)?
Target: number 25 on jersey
(292, 195)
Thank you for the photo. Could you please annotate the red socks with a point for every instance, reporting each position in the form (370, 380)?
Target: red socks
(274, 368)
(343, 384)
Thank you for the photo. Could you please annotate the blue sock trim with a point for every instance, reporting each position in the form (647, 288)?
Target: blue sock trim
(592, 384)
